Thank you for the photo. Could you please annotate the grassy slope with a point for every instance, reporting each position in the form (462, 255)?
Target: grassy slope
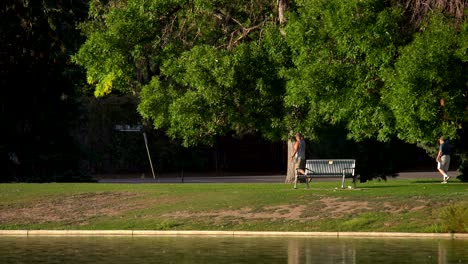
(393, 206)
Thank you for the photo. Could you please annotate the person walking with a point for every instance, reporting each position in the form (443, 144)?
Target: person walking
(443, 159)
(298, 154)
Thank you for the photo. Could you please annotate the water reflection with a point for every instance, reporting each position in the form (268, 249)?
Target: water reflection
(229, 250)
(377, 251)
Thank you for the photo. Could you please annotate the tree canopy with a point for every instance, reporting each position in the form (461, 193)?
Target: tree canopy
(201, 69)
(426, 89)
(362, 64)
(339, 52)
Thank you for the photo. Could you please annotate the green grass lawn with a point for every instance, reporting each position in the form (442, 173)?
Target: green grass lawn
(392, 206)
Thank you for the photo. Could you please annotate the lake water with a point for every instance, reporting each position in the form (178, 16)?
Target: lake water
(181, 249)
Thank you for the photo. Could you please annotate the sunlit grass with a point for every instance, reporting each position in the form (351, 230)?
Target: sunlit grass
(393, 206)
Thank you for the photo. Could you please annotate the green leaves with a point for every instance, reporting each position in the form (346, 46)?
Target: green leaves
(217, 92)
(428, 80)
(355, 63)
(209, 68)
(339, 51)
(200, 67)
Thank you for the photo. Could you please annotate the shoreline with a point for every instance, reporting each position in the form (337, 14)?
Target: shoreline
(136, 233)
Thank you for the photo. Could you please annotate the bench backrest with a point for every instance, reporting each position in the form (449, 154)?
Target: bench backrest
(331, 167)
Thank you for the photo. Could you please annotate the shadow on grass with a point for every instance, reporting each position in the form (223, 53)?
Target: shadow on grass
(383, 187)
(439, 182)
(396, 185)
(429, 181)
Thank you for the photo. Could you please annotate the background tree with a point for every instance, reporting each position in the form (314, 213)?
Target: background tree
(38, 110)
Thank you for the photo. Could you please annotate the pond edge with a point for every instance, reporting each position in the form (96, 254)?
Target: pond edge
(228, 233)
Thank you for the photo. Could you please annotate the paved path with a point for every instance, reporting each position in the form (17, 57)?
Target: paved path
(200, 178)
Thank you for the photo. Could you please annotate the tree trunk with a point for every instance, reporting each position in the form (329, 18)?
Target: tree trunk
(290, 170)
(282, 5)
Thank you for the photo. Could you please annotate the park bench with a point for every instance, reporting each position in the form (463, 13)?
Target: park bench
(327, 168)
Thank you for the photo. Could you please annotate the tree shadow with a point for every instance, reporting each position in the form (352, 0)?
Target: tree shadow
(383, 187)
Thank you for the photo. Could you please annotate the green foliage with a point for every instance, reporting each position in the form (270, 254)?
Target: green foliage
(339, 51)
(426, 72)
(357, 64)
(200, 67)
(128, 41)
(117, 47)
(213, 92)
(205, 69)
(453, 219)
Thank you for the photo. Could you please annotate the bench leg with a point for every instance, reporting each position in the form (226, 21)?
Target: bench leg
(295, 181)
(342, 181)
(307, 181)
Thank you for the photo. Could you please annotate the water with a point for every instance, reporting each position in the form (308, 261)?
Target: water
(177, 249)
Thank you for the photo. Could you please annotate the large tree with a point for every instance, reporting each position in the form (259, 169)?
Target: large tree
(208, 68)
(201, 68)
(427, 87)
(378, 69)
(339, 51)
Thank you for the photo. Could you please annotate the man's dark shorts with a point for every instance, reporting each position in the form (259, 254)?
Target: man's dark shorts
(299, 164)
